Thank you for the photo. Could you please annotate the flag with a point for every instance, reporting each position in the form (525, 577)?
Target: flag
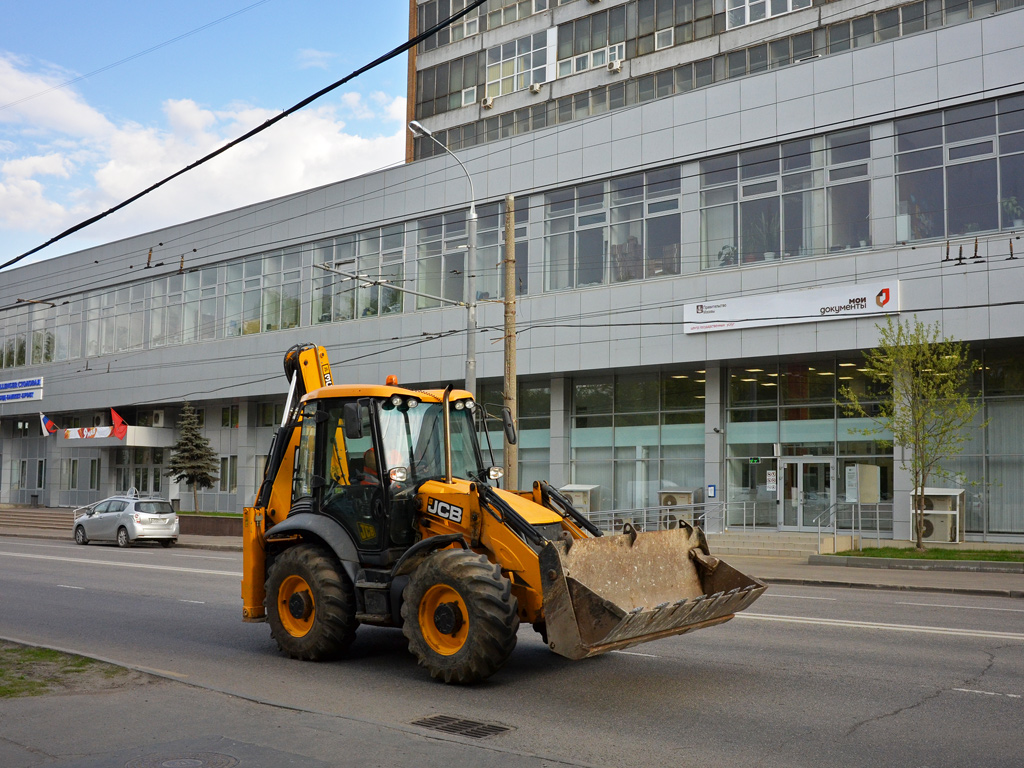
(120, 428)
(47, 424)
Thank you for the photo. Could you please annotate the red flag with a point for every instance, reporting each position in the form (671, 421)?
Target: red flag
(120, 428)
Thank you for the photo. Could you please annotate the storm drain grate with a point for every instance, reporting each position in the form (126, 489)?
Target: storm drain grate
(469, 728)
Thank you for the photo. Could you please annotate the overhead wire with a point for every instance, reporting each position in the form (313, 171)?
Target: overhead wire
(103, 280)
(259, 129)
(132, 57)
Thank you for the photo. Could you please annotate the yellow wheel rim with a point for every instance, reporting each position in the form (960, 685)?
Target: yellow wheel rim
(444, 619)
(295, 606)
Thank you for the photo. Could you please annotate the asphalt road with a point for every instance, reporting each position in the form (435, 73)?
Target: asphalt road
(806, 677)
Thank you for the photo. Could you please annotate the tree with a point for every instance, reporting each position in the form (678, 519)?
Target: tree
(924, 380)
(192, 459)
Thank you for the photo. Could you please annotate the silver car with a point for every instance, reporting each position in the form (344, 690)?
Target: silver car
(127, 519)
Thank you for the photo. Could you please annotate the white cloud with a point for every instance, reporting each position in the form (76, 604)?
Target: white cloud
(310, 58)
(58, 110)
(58, 172)
(53, 164)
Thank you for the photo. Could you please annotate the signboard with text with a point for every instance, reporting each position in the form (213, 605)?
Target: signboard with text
(792, 307)
(21, 389)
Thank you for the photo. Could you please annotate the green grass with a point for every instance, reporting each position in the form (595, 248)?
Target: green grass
(26, 671)
(988, 555)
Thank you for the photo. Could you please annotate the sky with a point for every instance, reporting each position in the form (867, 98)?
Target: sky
(100, 99)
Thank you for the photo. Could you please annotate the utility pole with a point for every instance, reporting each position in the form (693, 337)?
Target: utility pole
(511, 452)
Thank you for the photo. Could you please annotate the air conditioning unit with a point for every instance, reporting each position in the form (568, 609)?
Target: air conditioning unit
(98, 418)
(615, 66)
(675, 498)
(535, 87)
(487, 102)
(595, 2)
(583, 497)
(670, 518)
(940, 526)
(158, 419)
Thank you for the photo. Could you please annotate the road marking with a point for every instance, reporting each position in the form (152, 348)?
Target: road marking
(634, 653)
(880, 626)
(204, 557)
(235, 574)
(990, 693)
(68, 586)
(799, 597)
(965, 607)
(197, 602)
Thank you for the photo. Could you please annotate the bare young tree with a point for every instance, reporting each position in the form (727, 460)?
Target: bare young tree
(926, 403)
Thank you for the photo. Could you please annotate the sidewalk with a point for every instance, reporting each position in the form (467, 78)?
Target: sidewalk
(924, 577)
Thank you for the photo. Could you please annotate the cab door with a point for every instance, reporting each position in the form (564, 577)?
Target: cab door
(355, 489)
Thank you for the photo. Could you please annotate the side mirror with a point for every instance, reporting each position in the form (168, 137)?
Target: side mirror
(509, 426)
(353, 421)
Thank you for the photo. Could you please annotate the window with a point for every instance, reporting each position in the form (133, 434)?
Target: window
(515, 65)
(769, 203)
(742, 12)
(270, 414)
(592, 41)
(595, 233)
(229, 474)
(229, 416)
(959, 171)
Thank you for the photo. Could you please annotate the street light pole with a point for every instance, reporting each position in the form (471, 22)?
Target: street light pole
(420, 132)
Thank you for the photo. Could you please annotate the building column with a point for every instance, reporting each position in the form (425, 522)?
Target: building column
(560, 467)
(714, 441)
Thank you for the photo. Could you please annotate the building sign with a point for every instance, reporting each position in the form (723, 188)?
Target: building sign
(792, 307)
(22, 389)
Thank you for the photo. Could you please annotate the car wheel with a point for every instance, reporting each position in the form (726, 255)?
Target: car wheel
(167, 543)
(123, 540)
(80, 537)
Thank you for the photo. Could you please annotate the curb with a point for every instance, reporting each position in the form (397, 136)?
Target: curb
(979, 592)
(968, 566)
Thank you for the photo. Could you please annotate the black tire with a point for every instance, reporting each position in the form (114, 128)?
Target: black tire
(123, 539)
(461, 591)
(168, 543)
(80, 537)
(311, 604)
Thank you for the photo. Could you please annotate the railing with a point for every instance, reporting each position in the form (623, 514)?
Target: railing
(849, 517)
(710, 517)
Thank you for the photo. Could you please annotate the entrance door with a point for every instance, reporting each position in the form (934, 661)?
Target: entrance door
(808, 492)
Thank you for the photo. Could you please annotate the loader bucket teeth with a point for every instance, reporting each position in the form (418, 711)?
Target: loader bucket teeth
(612, 592)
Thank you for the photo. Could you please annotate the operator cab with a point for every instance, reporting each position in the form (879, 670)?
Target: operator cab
(362, 459)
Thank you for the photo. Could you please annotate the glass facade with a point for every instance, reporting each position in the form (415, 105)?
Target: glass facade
(634, 435)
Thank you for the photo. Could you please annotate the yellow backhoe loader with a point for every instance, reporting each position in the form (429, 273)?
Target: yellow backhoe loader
(377, 507)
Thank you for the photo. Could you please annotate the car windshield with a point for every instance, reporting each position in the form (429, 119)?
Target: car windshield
(155, 507)
(414, 438)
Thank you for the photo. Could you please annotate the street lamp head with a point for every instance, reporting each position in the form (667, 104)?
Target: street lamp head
(419, 131)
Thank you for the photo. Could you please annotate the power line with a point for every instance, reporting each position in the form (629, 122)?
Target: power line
(259, 129)
(132, 57)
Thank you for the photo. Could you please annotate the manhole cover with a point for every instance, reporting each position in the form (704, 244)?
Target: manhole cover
(188, 760)
(469, 728)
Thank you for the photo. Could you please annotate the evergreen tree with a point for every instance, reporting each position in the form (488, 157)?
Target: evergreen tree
(192, 459)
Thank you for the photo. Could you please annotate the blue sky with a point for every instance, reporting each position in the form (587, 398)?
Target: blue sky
(69, 152)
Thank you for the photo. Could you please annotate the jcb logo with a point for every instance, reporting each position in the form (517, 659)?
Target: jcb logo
(445, 510)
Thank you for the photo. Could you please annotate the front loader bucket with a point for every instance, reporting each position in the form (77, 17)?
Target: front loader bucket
(611, 592)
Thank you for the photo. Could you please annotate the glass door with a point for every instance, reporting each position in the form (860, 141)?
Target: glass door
(808, 492)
